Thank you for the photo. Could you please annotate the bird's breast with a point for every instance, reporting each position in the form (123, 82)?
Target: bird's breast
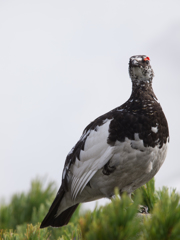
(133, 165)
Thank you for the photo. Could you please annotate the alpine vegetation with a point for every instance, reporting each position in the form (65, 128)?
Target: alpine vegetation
(118, 220)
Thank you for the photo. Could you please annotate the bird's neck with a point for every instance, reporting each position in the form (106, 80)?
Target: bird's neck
(143, 90)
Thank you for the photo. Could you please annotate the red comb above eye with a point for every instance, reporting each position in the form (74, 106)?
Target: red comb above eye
(147, 58)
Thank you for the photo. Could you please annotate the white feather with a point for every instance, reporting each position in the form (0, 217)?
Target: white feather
(95, 155)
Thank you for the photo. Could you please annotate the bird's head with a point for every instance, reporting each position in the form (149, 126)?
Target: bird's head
(140, 70)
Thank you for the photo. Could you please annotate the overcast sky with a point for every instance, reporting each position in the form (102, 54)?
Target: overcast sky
(64, 63)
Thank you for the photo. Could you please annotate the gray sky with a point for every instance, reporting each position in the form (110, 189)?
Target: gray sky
(64, 63)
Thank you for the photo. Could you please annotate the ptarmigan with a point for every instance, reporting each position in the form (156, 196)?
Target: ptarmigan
(123, 148)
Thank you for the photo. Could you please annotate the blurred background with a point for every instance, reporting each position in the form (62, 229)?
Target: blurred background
(64, 63)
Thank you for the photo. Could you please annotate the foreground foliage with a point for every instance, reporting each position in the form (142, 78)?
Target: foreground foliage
(20, 219)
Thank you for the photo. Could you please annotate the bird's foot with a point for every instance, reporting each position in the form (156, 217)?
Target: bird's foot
(143, 209)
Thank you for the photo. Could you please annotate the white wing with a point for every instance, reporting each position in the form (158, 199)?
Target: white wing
(95, 155)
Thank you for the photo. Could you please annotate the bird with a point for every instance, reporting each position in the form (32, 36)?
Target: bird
(124, 149)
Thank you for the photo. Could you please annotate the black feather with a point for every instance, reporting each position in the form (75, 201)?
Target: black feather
(63, 218)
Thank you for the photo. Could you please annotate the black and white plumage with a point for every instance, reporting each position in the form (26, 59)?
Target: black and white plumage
(123, 148)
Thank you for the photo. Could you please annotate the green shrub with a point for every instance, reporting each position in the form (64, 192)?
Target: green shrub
(165, 220)
(117, 220)
(23, 207)
(31, 208)
(31, 233)
(20, 219)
